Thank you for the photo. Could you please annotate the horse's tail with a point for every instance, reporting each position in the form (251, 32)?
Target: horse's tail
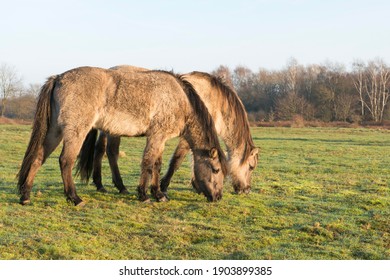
(39, 130)
(85, 159)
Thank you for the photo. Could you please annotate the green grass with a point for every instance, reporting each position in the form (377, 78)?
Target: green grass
(316, 194)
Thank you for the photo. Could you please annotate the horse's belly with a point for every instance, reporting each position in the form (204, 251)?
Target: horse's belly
(122, 125)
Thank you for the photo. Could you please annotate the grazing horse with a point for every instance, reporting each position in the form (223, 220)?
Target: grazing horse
(155, 104)
(231, 124)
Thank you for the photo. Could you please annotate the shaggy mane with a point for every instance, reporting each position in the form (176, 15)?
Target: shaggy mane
(243, 135)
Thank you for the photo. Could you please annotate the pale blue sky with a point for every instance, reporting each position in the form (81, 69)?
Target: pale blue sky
(41, 38)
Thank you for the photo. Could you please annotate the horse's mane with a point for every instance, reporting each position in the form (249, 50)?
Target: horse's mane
(202, 114)
(234, 104)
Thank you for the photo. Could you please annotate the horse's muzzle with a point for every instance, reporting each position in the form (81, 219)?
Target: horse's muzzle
(238, 189)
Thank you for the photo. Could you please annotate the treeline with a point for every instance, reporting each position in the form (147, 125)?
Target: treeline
(20, 105)
(16, 100)
(327, 92)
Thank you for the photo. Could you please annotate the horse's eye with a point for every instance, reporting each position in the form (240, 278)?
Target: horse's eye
(251, 167)
(215, 170)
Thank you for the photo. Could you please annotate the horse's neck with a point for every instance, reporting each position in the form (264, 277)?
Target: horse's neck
(228, 131)
(235, 147)
(221, 112)
(195, 135)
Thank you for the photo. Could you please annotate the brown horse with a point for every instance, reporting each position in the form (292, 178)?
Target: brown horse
(231, 124)
(155, 104)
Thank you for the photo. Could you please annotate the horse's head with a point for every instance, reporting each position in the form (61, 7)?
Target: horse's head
(241, 172)
(209, 172)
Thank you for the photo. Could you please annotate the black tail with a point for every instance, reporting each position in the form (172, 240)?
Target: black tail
(84, 166)
(39, 130)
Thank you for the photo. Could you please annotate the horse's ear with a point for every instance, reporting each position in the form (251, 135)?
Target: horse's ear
(213, 153)
(255, 151)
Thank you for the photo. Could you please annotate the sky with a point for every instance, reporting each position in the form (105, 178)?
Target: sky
(41, 38)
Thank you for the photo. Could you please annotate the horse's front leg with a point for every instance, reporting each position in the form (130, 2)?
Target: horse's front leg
(146, 173)
(177, 158)
(155, 187)
(150, 169)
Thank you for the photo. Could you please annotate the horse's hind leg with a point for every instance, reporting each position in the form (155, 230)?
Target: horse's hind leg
(177, 158)
(52, 139)
(72, 146)
(113, 144)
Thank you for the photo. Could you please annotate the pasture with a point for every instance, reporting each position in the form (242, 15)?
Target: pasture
(317, 193)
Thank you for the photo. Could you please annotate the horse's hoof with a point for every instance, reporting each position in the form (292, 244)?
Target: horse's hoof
(143, 198)
(81, 204)
(166, 195)
(163, 199)
(124, 191)
(25, 202)
(102, 190)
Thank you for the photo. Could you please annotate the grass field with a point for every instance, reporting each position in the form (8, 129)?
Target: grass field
(318, 193)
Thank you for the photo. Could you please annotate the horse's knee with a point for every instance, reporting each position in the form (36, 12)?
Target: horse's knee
(158, 164)
(63, 162)
(148, 165)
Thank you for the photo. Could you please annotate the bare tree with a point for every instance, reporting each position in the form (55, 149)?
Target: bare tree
(225, 73)
(372, 82)
(358, 69)
(33, 90)
(243, 77)
(244, 81)
(293, 72)
(10, 85)
(332, 79)
(310, 81)
(344, 105)
(292, 104)
(21, 107)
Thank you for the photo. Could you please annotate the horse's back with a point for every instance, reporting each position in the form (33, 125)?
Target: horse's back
(154, 95)
(80, 94)
(121, 103)
(128, 68)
